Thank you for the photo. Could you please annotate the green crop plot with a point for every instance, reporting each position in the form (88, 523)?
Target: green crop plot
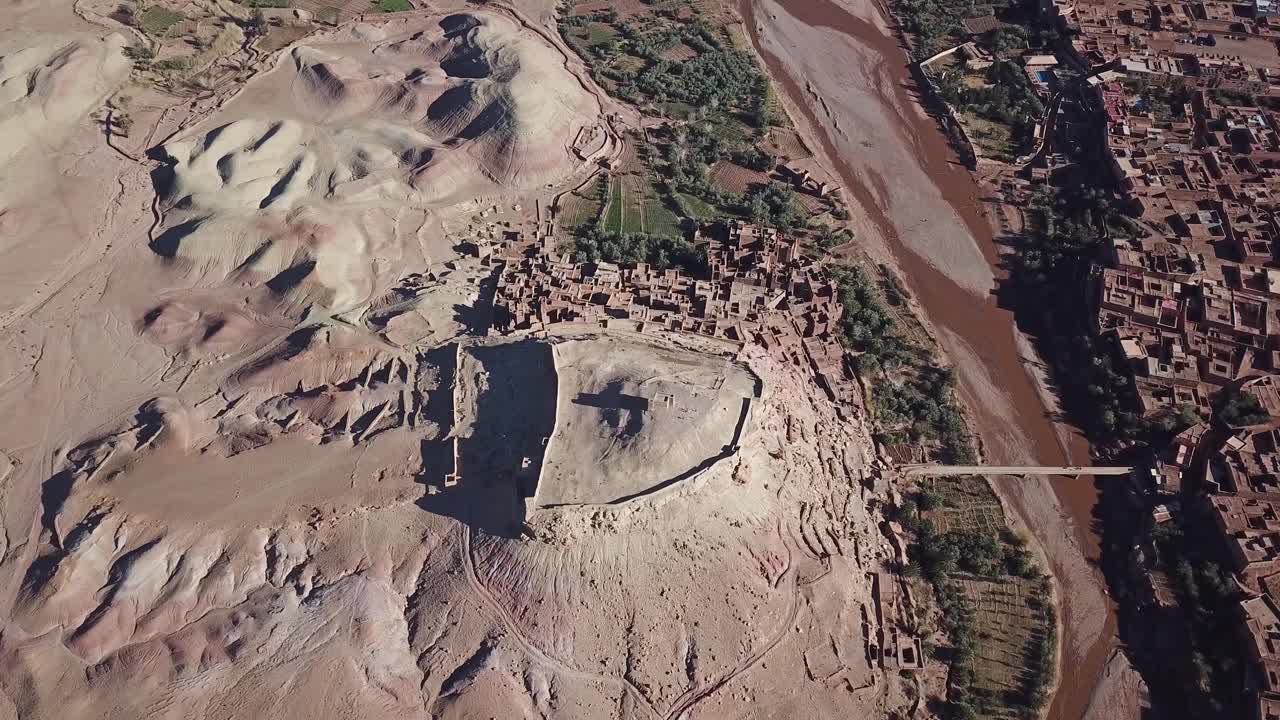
(613, 214)
(158, 20)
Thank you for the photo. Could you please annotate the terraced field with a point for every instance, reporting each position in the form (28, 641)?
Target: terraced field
(580, 208)
(633, 193)
(658, 218)
(731, 177)
(966, 504)
(614, 212)
(1011, 615)
(698, 208)
(1012, 618)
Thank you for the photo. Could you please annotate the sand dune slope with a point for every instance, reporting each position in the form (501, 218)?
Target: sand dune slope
(278, 536)
(294, 195)
(261, 456)
(48, 84)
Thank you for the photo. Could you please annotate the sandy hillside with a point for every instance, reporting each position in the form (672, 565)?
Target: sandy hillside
(258, 457)
(49, 83)
(300, 185)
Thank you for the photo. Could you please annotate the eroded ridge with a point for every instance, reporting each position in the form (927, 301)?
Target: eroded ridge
(348, 429)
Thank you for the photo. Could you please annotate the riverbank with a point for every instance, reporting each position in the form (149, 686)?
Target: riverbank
(919, 210)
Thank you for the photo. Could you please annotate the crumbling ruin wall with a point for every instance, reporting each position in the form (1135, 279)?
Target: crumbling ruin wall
(555, 427)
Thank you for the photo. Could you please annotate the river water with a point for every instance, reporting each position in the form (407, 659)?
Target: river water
(980, 337)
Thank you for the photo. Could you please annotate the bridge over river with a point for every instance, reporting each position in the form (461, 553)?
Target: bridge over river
(1076, 470)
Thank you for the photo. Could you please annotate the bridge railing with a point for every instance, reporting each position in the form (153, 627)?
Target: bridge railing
(926, 470)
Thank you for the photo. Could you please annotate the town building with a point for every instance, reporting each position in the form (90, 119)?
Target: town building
(758, 287)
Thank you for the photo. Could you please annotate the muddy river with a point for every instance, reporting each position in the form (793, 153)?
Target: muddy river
(836, 64)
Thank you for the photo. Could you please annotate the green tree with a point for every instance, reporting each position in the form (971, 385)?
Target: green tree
(1238, 408)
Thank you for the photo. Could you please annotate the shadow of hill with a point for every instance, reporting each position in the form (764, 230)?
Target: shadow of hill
(494, 448)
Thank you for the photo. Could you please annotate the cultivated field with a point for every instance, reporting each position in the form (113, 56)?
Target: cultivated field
(731, 177)
(697, 208)
(635, 205)
(581, 207)
(991, 139)
(785, 143)
(1010, 616)
(615, 210)
(336, 11)
(687, 64)
(967, 504)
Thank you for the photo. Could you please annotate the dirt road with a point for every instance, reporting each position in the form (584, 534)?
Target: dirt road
(487, 600)
(694, 695)
(848, 82)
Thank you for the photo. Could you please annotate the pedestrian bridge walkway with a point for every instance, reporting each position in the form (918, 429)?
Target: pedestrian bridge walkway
(943, 470)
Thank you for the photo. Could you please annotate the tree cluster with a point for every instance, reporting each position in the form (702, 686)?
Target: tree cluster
(659, 251)
(1239, 408)
(719, 75)
(753, 158)
(1166, 100)
(693, 148)
(921, 407)
(919, 403)
(773, 204)
(1051, 262)
(936, 555)
(1209, 676)
(935, 23)
(1007, 98)
(713, 99)
(726, 77)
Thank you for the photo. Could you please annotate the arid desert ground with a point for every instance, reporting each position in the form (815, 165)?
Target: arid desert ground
(259, 459)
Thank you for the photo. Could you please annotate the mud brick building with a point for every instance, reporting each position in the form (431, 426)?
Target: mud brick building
(1188, 95)
(758, 288)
